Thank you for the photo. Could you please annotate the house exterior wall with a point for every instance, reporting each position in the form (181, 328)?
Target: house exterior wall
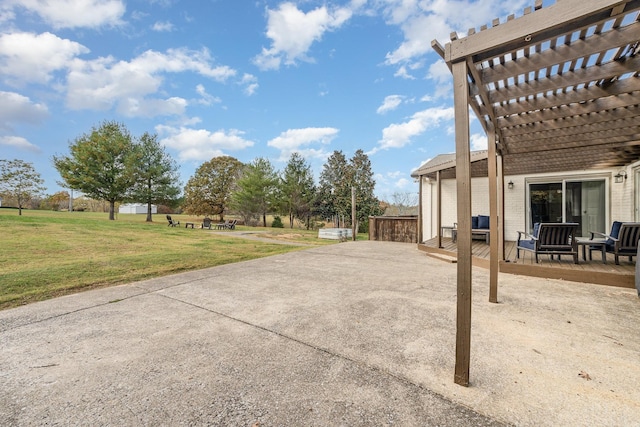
(622, 198)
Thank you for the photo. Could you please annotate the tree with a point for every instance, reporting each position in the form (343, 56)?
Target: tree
(59, 200)
(208, 191)
(99, 164)
(19, 180)
(297, 189)
(360, 176)
(256, 190)
(156, 174)
(403, 204)
(334, 193)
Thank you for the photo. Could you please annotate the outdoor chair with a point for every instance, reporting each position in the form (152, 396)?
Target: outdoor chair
(479, 228)
(207, 223)
(172, 223)
(621, 241)
(222, 225)
(550, 239)
(229, 224)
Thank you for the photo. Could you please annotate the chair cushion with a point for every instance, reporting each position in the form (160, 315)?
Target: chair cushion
(483, 222)
(474, 222)
(536, 229)
(615, 231)
(526, 244)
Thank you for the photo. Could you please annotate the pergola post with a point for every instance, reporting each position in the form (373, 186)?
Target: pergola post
(500, 183)
(420, 214)
(495, 232)
(439, 208)
(463, 187)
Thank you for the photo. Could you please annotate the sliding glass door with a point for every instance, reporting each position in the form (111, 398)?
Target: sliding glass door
(569, 200)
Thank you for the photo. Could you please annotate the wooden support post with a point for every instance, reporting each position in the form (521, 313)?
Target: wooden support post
(463, 184)
(495, 232)
(420, 213)
(500, 207)
(439, 208)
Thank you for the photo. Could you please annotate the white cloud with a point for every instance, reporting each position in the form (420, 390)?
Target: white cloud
(394, 182)
(28, 57)
(74, 13)
(478, 141)
(402, 183)
(142, 107)
(403, 73)
(250, 83)
(103, 83)
(398, 135)
(206, 98)
(298, 140)
(426, 20)
(163, 27)
(418, 33)
(201, 144)
(19, 143)
(390, 103)
(292, 32)
(440, 73)
(18, 108)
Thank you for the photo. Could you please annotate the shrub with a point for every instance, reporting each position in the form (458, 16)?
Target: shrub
(277, 222)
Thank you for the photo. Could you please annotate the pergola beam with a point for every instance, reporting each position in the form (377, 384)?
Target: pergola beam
(547, 23)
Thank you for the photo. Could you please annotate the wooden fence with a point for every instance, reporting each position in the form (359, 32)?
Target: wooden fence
(394, 228)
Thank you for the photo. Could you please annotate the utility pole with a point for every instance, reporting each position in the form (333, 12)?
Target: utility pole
(353, 213)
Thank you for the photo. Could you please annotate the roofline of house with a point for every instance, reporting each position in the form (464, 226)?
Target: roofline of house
(446, 161)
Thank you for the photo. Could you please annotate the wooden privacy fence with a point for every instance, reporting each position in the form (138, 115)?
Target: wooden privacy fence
(394, 228)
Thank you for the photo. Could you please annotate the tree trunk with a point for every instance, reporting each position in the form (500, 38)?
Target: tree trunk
(149, 218)
(264, 219)
(112, 209)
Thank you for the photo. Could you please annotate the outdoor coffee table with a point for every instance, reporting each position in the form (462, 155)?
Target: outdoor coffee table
(596, 243)
(189, 224)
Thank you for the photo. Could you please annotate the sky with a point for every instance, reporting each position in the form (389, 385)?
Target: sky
(243, 78)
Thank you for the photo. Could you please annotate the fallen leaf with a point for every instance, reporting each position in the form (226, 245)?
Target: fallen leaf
(584, 375)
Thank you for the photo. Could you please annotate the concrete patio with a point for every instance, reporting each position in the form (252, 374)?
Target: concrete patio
(357, 333)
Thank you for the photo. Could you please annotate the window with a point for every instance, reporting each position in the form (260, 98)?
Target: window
(569, 200)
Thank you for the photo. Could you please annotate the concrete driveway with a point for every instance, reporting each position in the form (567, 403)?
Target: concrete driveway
(353, 334)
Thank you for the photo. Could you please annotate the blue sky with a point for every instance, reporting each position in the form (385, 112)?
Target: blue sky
(240, 78)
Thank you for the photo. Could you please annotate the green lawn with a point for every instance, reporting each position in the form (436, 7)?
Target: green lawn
(44, 254)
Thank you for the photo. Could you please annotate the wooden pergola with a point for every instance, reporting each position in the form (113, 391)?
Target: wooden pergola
(556, 89)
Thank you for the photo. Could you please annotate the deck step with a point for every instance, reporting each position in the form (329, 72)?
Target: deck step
(442, 257)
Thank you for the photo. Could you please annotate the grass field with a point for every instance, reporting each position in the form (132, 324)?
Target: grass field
(44, 254)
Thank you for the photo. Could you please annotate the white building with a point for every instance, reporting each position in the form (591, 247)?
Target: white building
(136, 208)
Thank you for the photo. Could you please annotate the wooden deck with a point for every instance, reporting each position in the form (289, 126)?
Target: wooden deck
(594, 271)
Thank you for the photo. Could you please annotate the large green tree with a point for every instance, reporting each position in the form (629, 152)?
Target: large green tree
(334, 192)
(20, 181)
(208, 191)
(256, 190)
(337, 179)
(297, 190)
(156, 174)
(100, 165)
(360, 176)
